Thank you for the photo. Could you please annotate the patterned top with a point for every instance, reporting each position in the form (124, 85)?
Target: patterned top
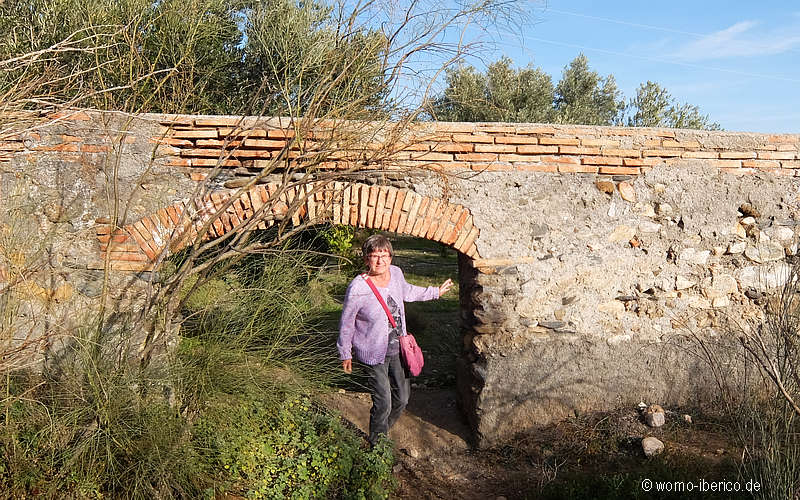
(364, 327)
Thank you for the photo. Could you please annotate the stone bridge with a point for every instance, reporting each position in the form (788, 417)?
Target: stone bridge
(588, 256)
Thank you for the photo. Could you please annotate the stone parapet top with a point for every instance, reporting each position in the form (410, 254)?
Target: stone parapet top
(197, 144)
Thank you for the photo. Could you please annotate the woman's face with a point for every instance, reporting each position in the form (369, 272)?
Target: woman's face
(378, 261)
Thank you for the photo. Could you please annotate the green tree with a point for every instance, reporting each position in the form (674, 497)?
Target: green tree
(527, 95)
(190, 56)
(503, 94)
(653, 106)
(144, 55)
(294, 48)
(584, 97)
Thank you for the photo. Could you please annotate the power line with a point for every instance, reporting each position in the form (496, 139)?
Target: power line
(626, 23)
(667, 61)
(644, 26)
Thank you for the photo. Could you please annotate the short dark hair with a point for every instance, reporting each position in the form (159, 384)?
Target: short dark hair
(376, 242)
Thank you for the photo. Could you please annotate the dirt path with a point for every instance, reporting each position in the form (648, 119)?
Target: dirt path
(435, 461)
(434, 458)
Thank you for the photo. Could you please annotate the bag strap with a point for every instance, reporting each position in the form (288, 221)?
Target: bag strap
(380, 299)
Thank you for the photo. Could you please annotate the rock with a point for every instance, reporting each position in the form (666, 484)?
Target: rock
(565, 301)
(717, 251)
(63, 293)
(649, 227)
(622, 233)
(663, 208)
(753, 294)
(721, 286)
(652, 446)
(606, 187)
(644, 209)
(612, 307)
(618, 339)
(749, 210)
(693, 256)
(763, 277)
(765, 252)
(720, 302)
(594, 246)
(748, 221)
(559, 314)
(654, 419)
(539, 230)
(682, 283)
(736, 247)
(739, 230)
(411, 452)
(654, 416)
(780, 233)
(89, 285)
(626, 191)
(687, 418)
(698, 302)
(553, 325)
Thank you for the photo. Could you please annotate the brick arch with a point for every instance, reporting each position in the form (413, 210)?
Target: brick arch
(136, 246)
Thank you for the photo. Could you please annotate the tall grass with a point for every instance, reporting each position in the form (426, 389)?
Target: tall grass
(229, 410)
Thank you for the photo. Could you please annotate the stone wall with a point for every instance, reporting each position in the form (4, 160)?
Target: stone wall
(589, 254)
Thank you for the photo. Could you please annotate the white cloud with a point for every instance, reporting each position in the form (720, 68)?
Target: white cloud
(742, 39)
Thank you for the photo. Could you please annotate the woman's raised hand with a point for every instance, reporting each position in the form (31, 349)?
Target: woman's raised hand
(444, 287)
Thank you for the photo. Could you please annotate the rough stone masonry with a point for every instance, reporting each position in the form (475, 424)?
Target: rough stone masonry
(587, 254)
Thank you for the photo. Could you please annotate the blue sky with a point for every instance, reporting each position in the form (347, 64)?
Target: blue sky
(737, 61)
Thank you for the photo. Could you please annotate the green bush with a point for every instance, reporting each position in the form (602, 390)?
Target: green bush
(293, 450)
(339, 241)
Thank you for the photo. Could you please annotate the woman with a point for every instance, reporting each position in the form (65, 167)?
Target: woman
(366, 331)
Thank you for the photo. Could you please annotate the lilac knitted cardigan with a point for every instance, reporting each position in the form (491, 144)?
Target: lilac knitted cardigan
(364, 326)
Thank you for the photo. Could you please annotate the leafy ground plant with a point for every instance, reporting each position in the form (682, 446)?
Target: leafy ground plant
(290, 450)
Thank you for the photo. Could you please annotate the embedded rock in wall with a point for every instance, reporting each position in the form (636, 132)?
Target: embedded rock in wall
(682, 257)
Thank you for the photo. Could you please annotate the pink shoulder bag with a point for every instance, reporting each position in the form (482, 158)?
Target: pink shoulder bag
(409, 350)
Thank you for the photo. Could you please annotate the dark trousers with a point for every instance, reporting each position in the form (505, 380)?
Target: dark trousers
(390, 390)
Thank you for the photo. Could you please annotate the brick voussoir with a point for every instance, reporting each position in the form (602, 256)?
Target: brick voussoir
(463, 233)
(469, 240)
(143, 237)
(463, 215)
(397, 210)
